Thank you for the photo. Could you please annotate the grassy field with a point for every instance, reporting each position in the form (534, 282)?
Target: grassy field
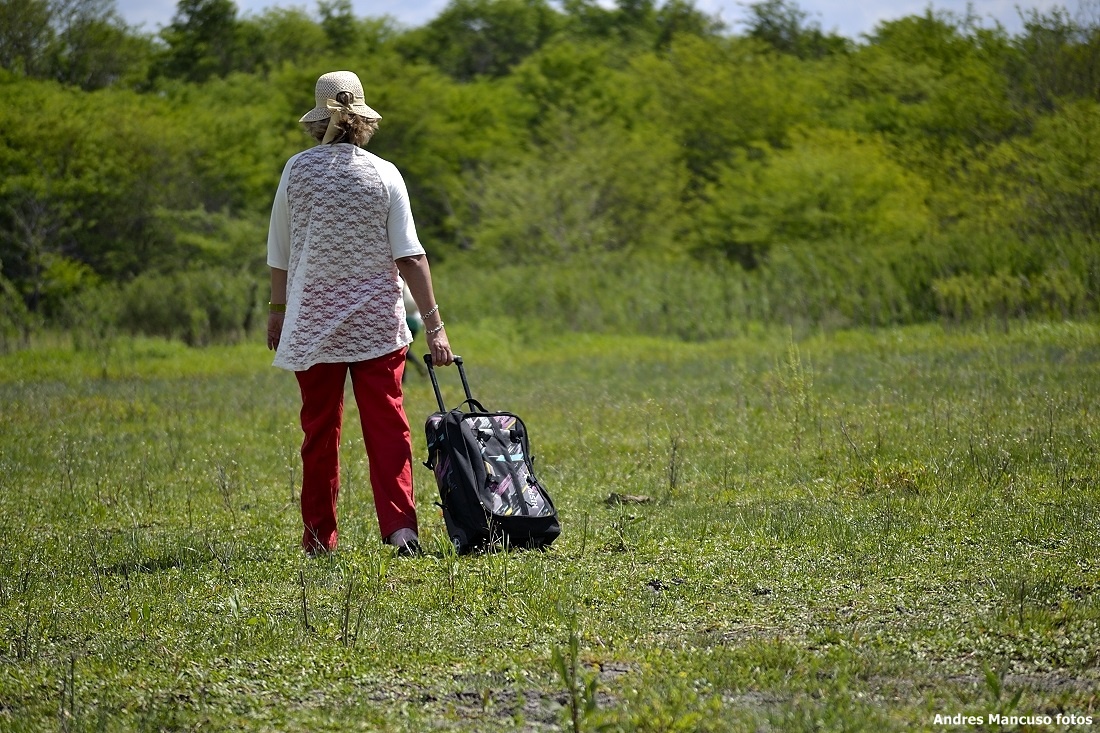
(857, 531)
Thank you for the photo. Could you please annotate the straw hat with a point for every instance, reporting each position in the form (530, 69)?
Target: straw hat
(331, 84)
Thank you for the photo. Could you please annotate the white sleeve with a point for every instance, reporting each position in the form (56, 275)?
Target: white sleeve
(399, 225)
(278, 230)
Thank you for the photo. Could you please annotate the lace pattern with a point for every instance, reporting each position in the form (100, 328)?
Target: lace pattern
(343, 291)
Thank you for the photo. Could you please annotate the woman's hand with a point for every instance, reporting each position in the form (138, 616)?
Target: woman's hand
(440, 348)
(274, 330)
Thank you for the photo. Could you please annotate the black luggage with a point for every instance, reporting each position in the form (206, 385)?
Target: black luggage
(484, 471)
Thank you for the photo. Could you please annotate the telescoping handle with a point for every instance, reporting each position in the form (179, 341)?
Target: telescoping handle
(435, 381)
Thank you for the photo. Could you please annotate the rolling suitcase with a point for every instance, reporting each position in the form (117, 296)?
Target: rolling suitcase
(485, 475)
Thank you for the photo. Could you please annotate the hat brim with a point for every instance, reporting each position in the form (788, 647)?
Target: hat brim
(323, 113)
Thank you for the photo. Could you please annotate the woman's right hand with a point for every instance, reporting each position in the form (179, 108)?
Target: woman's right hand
(440, 348)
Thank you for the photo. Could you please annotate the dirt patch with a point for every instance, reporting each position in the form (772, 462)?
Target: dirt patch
(494, 703)
(529, 711)
(1045, 683)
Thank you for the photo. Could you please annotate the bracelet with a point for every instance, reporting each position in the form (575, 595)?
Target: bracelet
(277, 307)
(430, 313)
(434, 331)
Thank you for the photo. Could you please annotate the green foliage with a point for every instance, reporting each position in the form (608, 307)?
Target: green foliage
(61, 279)
(602, 293)
(202, 41)
(25, 35)
(583, 197)
(473, 38)
(199, 307)
(15, 320)
(720, 97)
(680, 298)
(1059, 57)
(827, 186)
(122, 185)
(837, 182)
(1060, 167)
(211, 240)
(935, 78)
(278, 36)
(83, 43)
(339, 24)
(783, 26)
(569, 78)
(637, 24)
(1056, 294)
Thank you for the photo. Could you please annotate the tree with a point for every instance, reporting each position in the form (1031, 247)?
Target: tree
(593, 188)
(351, 36)
(567, 77)
(719, 97)
(935, 79)
(636, 24)
(339, 23)
(203, 40)
(83, 43)
(25, 35)
(1059, 58)
(678, 17)
(1061, 169)
(783, 26)
(93, 48)
(277, 36)
(473, 38)
(828, 186)
(34, 225)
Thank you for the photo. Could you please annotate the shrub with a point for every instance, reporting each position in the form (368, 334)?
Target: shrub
(92, 316)
(198, 307)
(1056, 293)
(15, 320)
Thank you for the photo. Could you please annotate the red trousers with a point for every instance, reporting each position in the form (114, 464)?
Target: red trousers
(377, 387)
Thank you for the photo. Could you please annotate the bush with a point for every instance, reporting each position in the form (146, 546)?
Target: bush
(828, 285)
(15, 320)
(199, 307)
(834, 285)
(1056, 293)
(92, 317)
(62, 279)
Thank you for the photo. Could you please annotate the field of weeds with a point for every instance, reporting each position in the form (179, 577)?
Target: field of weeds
(852, 531)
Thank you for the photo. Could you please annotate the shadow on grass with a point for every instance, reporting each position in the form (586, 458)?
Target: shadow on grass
(158, 564)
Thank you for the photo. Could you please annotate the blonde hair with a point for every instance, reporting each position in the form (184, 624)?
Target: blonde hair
(357, 130)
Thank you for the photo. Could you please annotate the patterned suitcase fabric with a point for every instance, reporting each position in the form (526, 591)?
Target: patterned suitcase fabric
(505, 462)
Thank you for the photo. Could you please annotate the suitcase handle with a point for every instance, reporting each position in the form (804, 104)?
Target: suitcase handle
(435, 381)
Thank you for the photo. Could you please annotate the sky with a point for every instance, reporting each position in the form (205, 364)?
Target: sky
(848, 18)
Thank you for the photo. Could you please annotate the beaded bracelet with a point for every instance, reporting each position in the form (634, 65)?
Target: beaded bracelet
(430, 313)
(434, 331)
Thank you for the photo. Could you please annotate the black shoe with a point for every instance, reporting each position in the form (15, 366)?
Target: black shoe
(410, 549)
(406, 542)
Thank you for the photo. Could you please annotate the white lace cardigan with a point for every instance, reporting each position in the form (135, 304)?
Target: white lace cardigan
(340, 219)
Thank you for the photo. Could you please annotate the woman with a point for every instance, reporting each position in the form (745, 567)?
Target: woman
(341, 234)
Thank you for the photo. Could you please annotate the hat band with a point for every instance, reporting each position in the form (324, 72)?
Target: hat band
(338, 113)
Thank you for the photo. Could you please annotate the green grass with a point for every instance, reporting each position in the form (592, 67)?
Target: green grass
(856, 531)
